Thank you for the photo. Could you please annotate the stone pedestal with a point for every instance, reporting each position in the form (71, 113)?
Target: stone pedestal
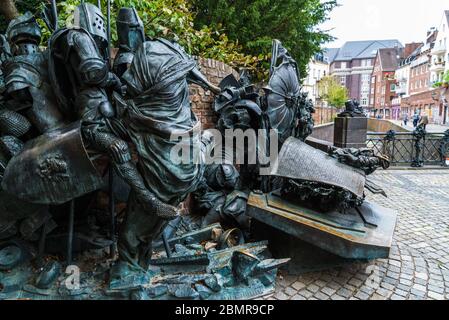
(350, 132)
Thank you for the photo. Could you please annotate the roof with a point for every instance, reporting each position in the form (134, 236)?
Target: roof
(389, 58)
(363, 49)
(330, 53)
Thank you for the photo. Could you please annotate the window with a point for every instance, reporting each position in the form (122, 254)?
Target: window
(365, 89)
(365, 77)
(343, 65)
(364, 101)
(343, 80)
(366, 63)
(392, 87)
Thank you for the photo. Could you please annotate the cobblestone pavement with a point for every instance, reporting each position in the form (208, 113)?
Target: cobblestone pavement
(418, 266)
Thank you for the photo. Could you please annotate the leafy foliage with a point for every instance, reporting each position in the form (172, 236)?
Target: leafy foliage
(254, 23)
(332, 92)
(174, 19)
(237, 32)
(22, 6)
(444, 82)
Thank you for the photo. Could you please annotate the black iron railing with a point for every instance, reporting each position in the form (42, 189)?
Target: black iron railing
(401, 147)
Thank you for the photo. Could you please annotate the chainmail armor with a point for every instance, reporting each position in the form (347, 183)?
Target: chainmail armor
(13, 123)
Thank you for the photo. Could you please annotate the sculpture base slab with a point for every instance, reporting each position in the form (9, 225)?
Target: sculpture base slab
(350, 132)
(345, 235)
(305, 257)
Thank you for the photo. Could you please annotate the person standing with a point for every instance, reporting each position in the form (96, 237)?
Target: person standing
(415, 119)
(405, 119)
(424, 121)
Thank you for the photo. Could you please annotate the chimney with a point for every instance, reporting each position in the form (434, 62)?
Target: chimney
(410, 47)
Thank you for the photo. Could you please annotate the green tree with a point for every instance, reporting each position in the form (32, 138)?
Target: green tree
(10, 8)
(332, 92)
(444, 82)
(254, 23)
(172, 19)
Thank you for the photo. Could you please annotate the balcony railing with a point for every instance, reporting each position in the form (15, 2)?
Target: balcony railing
(400, 147)
(439, 50)
(438, 66)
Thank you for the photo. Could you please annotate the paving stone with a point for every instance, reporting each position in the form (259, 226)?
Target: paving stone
(313, 288)
(421, 275)
(405, 282)
(420, 251)
(298, 297)
(337, 297)
(321, 296)
(435, 295)
(290, 291)
(376, 296)
(281, 296)
(400, 292)
(384, 292)
(419, 287)
(306, 293)
(439, 290)
(362, 295)
(355, 282)
(298, 285)
(344, 292)
(417, 293)
(328, 291)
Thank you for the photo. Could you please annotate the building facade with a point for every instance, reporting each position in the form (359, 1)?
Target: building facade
(439, 66)
(317, 68)
(383, 83)
(415, 93)
(353, 66)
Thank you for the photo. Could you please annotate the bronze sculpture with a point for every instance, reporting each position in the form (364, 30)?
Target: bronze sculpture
(50, 155)
(352, 109)
(147, 108)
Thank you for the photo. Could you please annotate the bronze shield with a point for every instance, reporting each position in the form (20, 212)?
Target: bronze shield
(52, 169)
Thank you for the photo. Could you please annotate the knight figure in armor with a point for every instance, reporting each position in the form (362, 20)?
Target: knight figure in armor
(158, 107)
(131, 35)
(82, 93)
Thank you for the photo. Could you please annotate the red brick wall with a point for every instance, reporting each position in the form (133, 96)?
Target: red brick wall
(202, 101)
(324, 115)
(419, 78)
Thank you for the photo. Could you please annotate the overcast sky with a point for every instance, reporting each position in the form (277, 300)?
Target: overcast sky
(405, 20)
